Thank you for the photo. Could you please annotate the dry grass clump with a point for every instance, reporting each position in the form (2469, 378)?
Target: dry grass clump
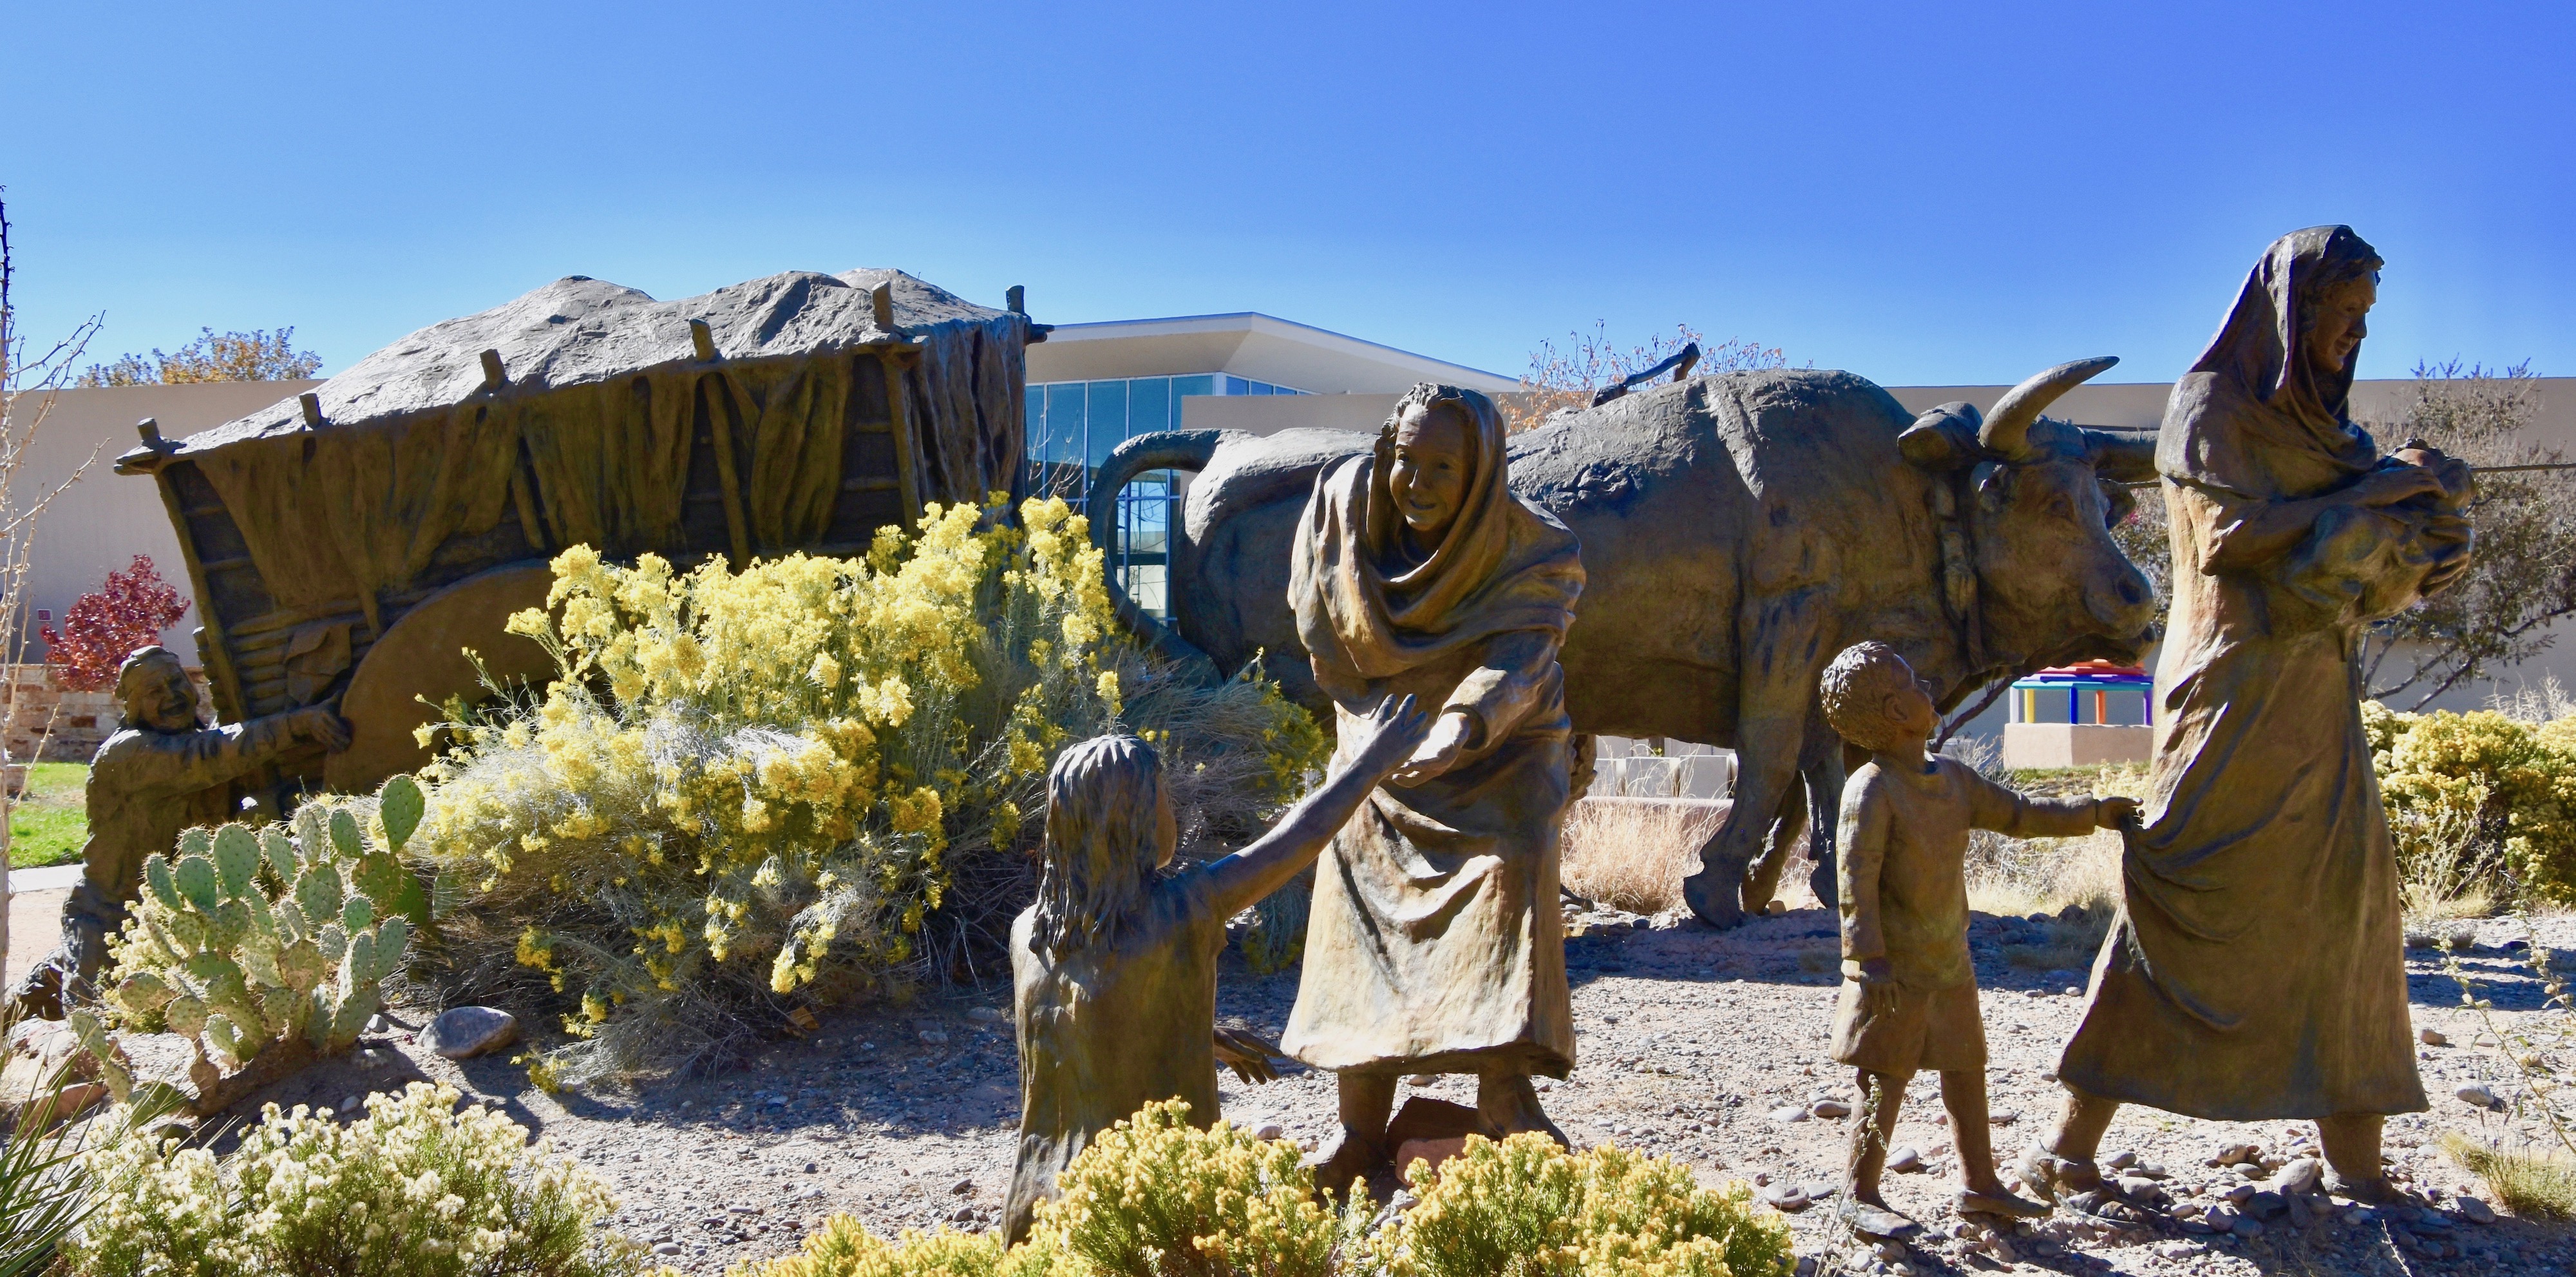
(1632, 853)
(2531, 1181)
(2073, 882)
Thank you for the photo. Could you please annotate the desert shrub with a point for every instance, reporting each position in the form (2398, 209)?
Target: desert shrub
(2533, 1182)
(1631, 853)
(810, 778)
(255, 936)
(1528, 1208)
(1157, 1195)
(413, 1187)
(2469, 794)
(844, 1247)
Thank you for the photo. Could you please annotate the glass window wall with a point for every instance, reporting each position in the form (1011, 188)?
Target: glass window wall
(1073, 426)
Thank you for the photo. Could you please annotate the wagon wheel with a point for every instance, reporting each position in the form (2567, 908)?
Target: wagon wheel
(422, 655)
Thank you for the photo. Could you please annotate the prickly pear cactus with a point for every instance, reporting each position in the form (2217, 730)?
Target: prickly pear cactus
(250, 936)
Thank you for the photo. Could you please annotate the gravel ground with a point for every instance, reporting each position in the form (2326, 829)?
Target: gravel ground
(1695, 1044)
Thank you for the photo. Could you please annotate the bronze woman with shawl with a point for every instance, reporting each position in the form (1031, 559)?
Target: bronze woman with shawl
(1435, 944)
(2257, 968)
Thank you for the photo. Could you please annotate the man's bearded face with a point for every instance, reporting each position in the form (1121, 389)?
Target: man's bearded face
(162, 698)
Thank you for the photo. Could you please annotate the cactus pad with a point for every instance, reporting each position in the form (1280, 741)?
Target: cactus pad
(399, 805)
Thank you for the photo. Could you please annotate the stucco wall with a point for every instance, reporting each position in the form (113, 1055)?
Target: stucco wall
(99, 523)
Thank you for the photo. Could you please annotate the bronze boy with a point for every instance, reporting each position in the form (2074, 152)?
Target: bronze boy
(1909, 995)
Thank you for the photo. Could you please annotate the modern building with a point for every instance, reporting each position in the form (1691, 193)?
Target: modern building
(1093, 386)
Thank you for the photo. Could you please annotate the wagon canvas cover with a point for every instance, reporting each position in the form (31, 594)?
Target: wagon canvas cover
(797, 411)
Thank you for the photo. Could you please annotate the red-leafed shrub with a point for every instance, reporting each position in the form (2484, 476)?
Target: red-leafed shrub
(128, 612)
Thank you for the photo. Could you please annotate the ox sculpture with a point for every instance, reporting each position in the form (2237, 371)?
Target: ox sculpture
(1737, 531)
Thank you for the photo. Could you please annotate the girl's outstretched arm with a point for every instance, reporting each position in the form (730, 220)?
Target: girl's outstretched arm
(1392, 733)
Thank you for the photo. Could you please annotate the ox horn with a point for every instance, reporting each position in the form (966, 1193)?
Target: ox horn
(2007, 429)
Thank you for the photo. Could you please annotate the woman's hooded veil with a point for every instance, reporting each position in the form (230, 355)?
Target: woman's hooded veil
(2259, 353)
(1366, 610)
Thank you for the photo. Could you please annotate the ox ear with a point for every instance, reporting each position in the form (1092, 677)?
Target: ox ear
(1942, 439)
(2121, 458)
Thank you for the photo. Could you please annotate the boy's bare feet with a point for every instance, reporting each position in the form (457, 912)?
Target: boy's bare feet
(2053, 1177)
(1874, 1218)
(1996, 1201)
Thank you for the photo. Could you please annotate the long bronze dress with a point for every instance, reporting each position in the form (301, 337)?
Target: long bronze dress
(1434, 943)
(2257, 967)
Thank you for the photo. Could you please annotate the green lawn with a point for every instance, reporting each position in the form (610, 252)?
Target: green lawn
(51, 821)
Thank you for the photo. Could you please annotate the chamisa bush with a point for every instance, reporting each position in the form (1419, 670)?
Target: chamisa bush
(2479, 804)
(414, 1187)
(808, 780)
(1155, 1195)
(1527, 1208)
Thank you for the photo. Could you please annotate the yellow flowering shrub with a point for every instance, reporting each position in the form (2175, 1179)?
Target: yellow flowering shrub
(1525, 1207)
(812, 778)
(414, 1187)
(844, 1247)
(1156, 1195)
(2468, 792)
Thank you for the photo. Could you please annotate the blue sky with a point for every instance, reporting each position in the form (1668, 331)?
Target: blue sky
(1917, 195)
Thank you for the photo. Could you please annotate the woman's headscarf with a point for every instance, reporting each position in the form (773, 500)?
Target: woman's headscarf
(1366, 609)
(2261, 350)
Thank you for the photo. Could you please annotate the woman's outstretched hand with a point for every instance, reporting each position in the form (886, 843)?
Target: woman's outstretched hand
(1447, 744)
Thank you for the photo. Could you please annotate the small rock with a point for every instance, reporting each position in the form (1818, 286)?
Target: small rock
(1790, 1113)
(2432, 1037)
(1786, 1197)
(2136, 1185)
(461, 1033)
(934, 1037)
(1830, 1108)
(2298, 1175)
(2247, 1227)
(351, 1106)
(2476, 1096)
(1905, 1161)
(984, 1015)
(378, 1024)
(2224, 1219)
(2004, 1117)
(2122, 1160)
(666, 1248)
(2234, 1154)
(1422, 1079)
(2476, 1211)
(2075, 991)
(2238, 1193)
(966, 1185)
(1267, 1129)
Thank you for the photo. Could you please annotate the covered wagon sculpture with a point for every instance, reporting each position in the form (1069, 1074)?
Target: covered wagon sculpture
(353, 544)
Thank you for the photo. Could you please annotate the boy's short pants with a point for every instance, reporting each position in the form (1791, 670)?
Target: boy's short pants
(1904, 1030)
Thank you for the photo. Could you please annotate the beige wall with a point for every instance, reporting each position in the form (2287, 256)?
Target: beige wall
(104, 519)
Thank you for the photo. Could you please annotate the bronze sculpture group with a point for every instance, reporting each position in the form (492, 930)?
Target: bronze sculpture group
(1784, 560)
(2255, 970)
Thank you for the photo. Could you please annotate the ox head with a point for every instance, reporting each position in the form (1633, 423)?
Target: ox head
(2039, 499)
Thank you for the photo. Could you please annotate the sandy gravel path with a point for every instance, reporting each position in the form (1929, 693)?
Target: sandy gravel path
(1694, 1044)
